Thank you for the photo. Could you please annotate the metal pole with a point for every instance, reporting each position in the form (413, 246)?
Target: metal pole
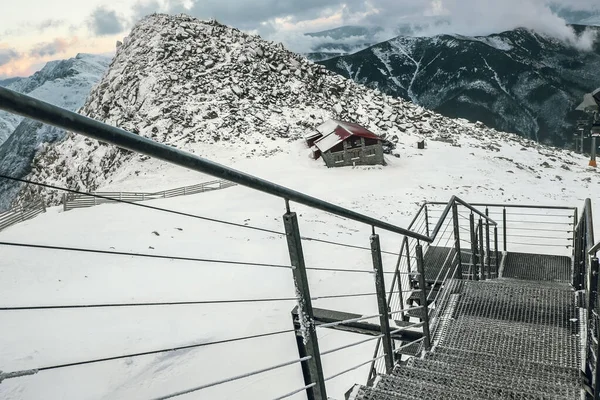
(504, 227)
(457, 240)
(384, 319)
(496, 251)
(474, 261)
(481, 250)
(423, 293)
(487, 245)
(305, 310)
(577, 253)
(593, 153)
(426, 220)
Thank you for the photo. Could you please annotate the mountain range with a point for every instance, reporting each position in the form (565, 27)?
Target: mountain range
(516, 81)
(65, 83)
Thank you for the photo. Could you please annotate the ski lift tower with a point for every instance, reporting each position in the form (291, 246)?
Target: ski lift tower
(591, 105)
(579, 134)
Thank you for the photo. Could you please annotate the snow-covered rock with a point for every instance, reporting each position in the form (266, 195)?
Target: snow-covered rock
(185, 90)
(64, 83)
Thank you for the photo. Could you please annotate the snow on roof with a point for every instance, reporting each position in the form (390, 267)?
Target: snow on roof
(335, 132)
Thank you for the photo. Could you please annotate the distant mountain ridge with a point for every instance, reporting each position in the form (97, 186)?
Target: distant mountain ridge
(65, 83)
(516, 81)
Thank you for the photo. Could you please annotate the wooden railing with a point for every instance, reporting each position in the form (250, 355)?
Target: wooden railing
(72, 201)
(21, 213)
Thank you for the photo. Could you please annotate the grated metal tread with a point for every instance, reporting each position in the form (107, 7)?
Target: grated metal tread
(468, 374)
(537, 267)
(489, 362)
(411, 391)
(434, 385)
(434, 260)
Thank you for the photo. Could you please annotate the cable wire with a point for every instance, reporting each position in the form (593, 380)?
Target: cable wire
(231, 379)
(138, 204)
(146, 353)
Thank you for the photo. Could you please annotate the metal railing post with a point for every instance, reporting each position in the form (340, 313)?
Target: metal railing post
(314, 368)
(426, 220)
(457, 240)
(64, 201)
(487, 245)
(384, 318)
(577, 254)
(481, 250)
(497, 253)
(423, 293)
(474, 261)
(504, 227)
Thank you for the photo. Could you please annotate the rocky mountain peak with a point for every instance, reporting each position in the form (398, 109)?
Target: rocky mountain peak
(183, 81)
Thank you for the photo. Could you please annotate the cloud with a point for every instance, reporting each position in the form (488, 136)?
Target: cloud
(104, 22)
(7, 55)
(51, 48)
(142, 8)
(39, 27)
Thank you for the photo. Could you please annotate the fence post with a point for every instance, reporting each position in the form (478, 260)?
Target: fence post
(481, 250)
(310, 343)
(496, 251)
(457, 239)
(384, 319)
(95, 200)
(474, 261)
(423, 293)
(504, 227)
(64, 201)
(488, 257)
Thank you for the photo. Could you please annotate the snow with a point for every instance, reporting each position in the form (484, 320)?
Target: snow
(49, 277)
(468, 160)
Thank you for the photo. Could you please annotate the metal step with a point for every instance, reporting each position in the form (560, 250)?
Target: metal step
(514, 378)
(433, 385)
(537, 267)
(411, 391)
(488, 362)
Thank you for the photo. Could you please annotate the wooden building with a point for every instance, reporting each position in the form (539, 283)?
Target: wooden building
(345, 144)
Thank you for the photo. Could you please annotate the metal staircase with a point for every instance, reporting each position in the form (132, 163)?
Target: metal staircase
(501, 339)
(504, 325)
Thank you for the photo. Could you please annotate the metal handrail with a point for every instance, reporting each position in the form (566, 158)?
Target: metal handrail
(594, 249)
(455, 199)
(510, 205)
(38, 110)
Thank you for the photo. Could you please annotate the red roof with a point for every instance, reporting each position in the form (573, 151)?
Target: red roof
(334, 132)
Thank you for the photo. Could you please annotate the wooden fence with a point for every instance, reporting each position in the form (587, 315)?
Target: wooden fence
(20, 213)
(72, 201)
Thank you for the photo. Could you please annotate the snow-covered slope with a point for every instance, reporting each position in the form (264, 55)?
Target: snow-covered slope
(183, 81)
(239, 101)
(65, 83)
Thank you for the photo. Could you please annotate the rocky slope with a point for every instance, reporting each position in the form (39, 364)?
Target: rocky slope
(65, 83)
(183, 81)
(516, 81)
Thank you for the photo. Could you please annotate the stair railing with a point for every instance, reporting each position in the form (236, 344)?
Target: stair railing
(585, 279)
(413, 276)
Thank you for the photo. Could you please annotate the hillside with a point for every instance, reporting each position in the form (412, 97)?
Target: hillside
(517, 81)
(243, 102)
(183, 81)
(65, 83)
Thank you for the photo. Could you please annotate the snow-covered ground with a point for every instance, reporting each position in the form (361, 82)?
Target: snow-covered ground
(33, 339)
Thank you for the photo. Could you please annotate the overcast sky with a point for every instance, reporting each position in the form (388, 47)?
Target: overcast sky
(33, 32)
